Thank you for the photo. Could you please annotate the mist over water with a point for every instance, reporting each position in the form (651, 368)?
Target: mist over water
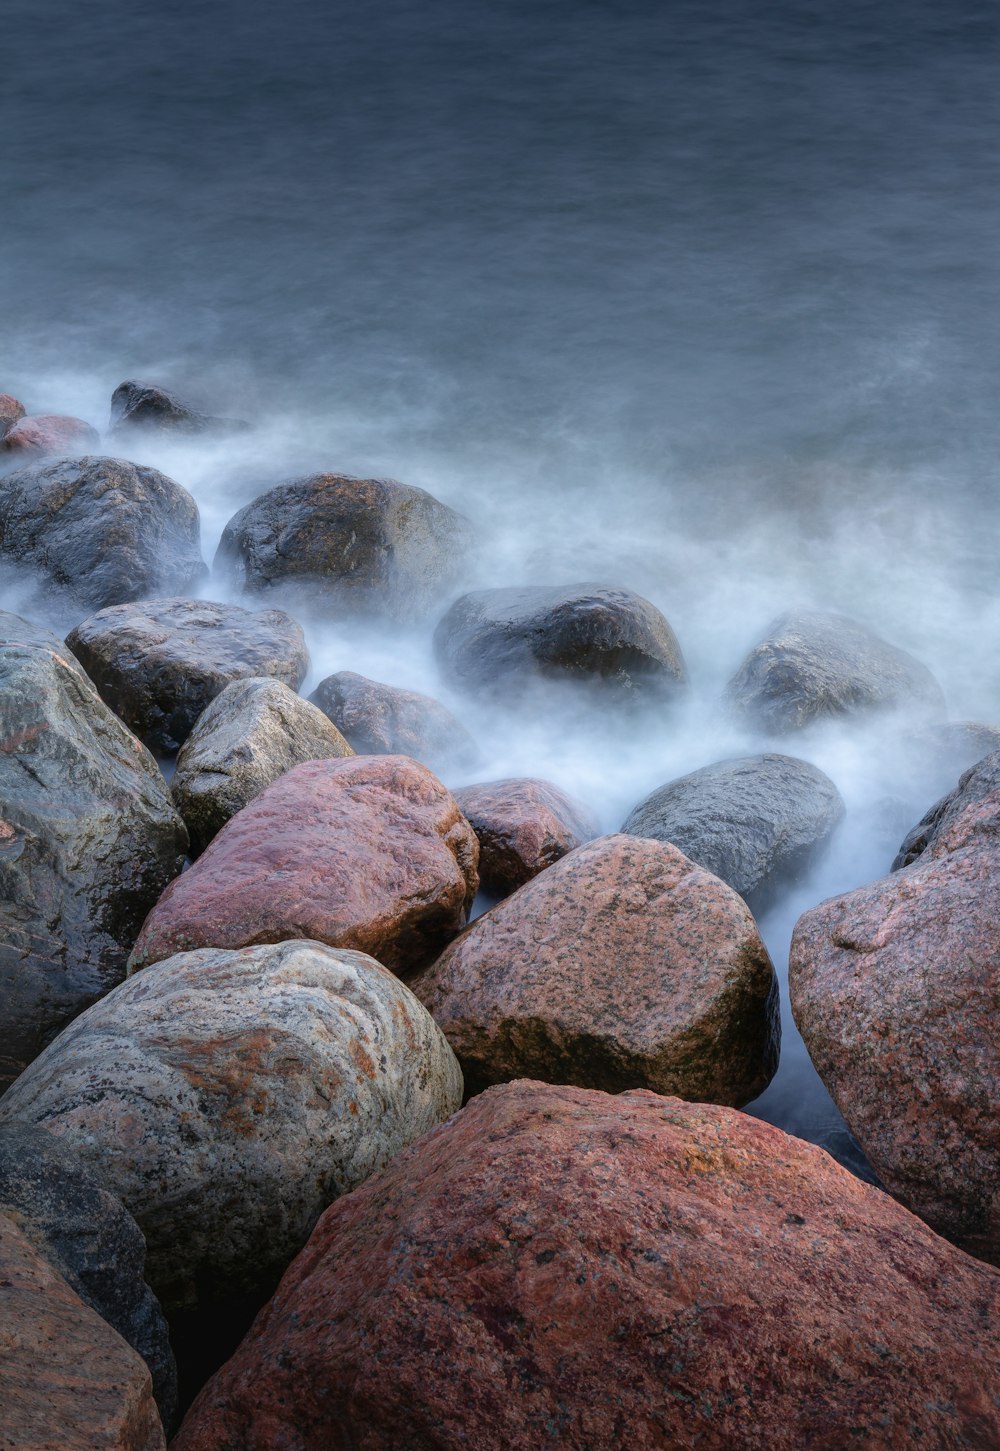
(696, 299)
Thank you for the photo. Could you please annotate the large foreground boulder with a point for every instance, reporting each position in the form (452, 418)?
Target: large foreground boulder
(384, 720)
(228, 1097)
(88, 840)
(369, 853)
(68, 1382)
(147, 408)
(45, 434)
(895, 990)
(158, 664)
(102, 530)
(622, 966)
(503, 640)
(813, 666)
(346, 545)
(755, 822)
(523, 826)
(558, 1268)
(252, 732)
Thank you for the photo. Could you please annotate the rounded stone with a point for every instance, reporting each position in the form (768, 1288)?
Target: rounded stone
(383, 720)
(147, 408)
(10, 411)
(523, 826)
(49, 433)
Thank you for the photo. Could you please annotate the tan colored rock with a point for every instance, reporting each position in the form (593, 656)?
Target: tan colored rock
(523, 826)
(11, 409)
(624, 965)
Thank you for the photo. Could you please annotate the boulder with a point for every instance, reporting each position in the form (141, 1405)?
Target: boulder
(68, 1382)
(523, 826)
(622, 966)
(895, 988)
(813, 667)
(158, 664)
(10, 411)
(558, 1268)
(500, 641)
(347, 546)
(102, 530)
(756, 822)
(49, 433)
(145, 407)
(383, 720)
(252, 732)
(369, 853)
(228, 1097)
(92, 1240)
(88, 840)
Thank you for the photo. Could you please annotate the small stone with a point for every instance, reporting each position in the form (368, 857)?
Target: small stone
(383, 720)
(523, 826)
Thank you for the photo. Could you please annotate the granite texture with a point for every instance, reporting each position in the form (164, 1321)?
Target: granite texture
(523, 826)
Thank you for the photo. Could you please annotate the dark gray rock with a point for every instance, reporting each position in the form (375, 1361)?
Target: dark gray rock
(10, 411)
(383, 720)
(101, 529)
(813, 666)
(145, 407)
(159, 663)
(347, 545)
(253, 732)
(979, 786)
(502, 640)
(755, 822)
(91, 1238)
(88, 840)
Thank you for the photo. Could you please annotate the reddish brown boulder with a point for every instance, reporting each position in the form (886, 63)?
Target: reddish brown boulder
(558, 1268)
(895, 990)
(10, 411)
(622, 966)
(50, 433)
(367, 852)
(523, 826)
(68, 1382)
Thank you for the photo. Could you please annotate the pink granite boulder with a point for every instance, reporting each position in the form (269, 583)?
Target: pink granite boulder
(49, 433)
(523, 826)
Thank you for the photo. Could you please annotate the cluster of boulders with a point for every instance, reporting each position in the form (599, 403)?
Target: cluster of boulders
(242, 1011)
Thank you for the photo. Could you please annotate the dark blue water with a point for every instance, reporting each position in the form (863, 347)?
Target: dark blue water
(700, 298)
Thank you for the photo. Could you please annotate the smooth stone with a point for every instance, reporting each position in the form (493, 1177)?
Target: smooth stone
(384, 720)
(49, 433)
(146, 407)
(11, 410)
(523, 826)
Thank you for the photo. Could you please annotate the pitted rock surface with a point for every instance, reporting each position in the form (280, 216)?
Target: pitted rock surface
(383, 720)
(158, 664)
(369, 853)
(252, 732)
(88, 840)
(895, 989)
(228, 1097)
(49, 433)
(68, 1382)
(559, 1268)
(813, 666)
(624, 965)
(102, 530)
(523, 826)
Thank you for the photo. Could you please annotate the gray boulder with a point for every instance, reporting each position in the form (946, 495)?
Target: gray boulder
(383, 720)
(147, 408)
(979, 787)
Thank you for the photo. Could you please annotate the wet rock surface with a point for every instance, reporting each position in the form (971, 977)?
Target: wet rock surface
(348, 545)
(88, 840)
(160, 662)
(369, 853)
(250, 734)
(560, 1267)
(48, 433)
(92, 1240)
(102, 530)
(147, 408)
(10, 411)
(624, 965)
(757, 822)
(523, 826)
(500, 640)
(383, 720)
(813, 666)
(228, 1097)
(68, 1382)
(894, 988)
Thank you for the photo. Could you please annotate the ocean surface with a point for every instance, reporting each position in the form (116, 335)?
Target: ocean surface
(697, 298)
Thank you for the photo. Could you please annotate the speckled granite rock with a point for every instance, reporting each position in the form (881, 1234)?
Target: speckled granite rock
(88, 840)
(755, 822)
(622, 966)
(101, 530)
(369, 853)
(49, 433)
(91, 1238)
(382, 720)
(228, 1097)
(250, 734)
(895, 989)
(158, 664)
(10, 411)
(523, 826)
(813, 666)
(68, 1382)
(558, 1268)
